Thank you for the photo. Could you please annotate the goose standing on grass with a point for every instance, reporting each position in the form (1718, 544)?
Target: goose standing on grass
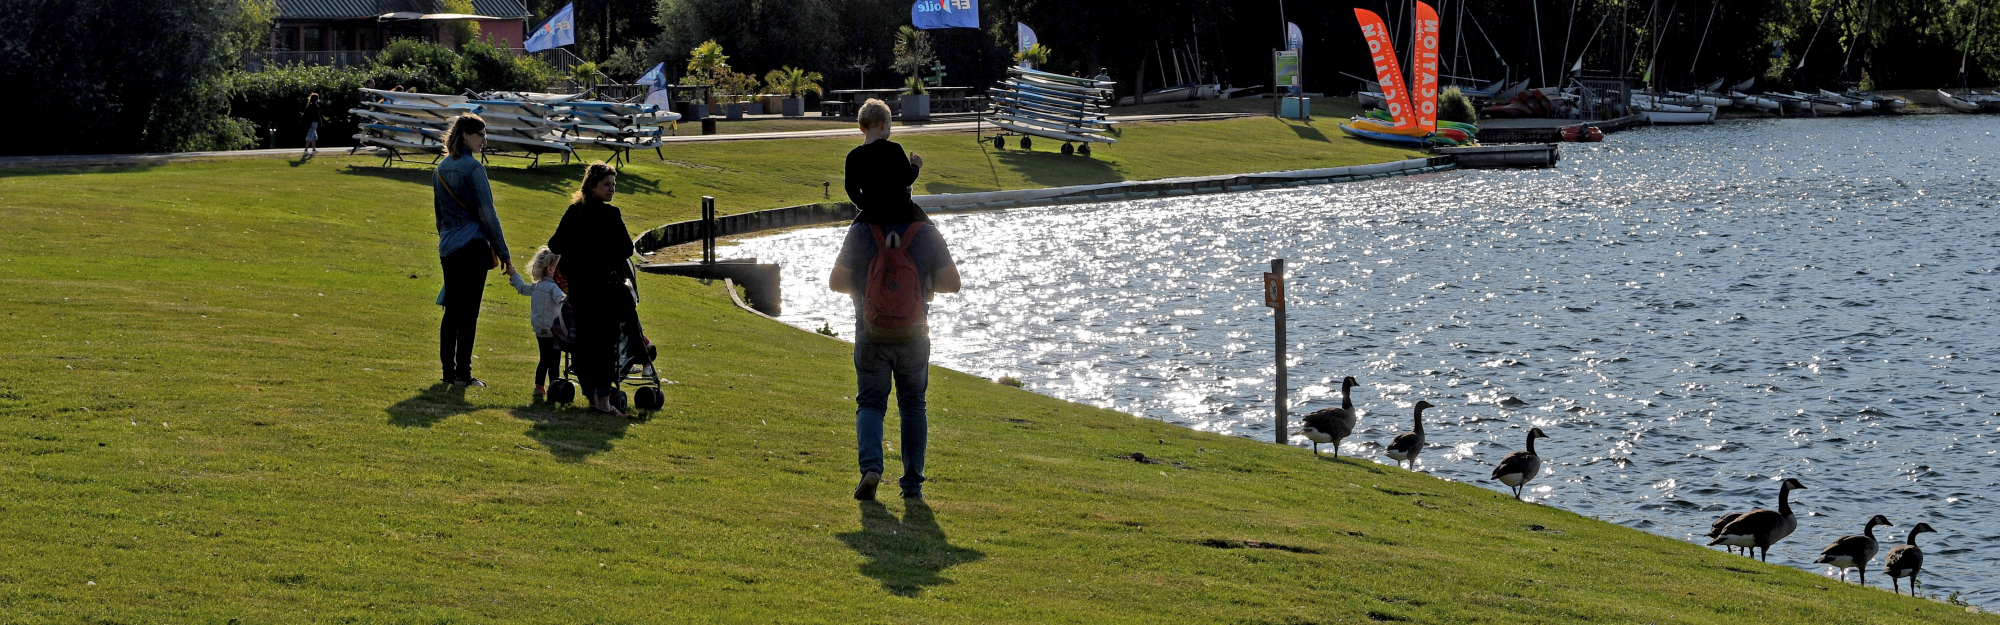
(1329, 425)
(1763, 528)
(1853, 551)
(1407, 445)
(1906, 560)
(1517, 468)
(1715, 529)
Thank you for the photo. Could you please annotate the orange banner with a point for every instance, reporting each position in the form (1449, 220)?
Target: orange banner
(1387, 70)
(1424, 74)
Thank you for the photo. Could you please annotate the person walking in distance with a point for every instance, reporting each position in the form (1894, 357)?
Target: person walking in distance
(311, 116)
(892, 262)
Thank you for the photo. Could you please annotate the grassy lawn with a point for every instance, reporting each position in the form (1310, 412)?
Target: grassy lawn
(217, 381)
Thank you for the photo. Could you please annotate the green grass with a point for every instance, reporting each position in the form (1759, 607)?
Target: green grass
(217, 389)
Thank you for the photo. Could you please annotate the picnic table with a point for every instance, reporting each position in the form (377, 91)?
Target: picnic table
(845, 102)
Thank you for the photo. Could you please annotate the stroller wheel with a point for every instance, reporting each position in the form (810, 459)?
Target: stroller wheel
(618, 400)
(650, 398)
(562, 392)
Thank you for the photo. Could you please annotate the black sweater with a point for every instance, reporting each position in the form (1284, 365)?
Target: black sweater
(879, 175)
(594, 245)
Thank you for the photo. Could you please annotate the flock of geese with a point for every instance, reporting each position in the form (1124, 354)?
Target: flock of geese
(1749, 531)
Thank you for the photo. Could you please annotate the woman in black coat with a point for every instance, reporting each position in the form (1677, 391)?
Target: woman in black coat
(595, 246)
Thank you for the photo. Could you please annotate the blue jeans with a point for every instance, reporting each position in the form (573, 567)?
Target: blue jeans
(907, 365)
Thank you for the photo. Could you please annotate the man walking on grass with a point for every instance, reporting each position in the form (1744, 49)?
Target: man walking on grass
(892, 262)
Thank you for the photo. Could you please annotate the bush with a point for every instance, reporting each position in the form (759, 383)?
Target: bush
(1454, 106)
(273, 99)
(440, 66)
(489, 68)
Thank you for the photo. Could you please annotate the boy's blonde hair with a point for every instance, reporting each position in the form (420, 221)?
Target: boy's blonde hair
(539, 267)
(873, 113)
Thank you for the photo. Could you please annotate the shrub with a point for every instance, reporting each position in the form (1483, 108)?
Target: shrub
(489, 68)
(429, 60)
(793, 82)
(1453, 105)
(273, 98)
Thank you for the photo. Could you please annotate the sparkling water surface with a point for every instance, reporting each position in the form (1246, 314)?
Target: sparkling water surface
(1692, 314)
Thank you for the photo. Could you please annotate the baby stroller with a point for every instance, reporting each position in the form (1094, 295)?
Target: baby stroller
(635, 362)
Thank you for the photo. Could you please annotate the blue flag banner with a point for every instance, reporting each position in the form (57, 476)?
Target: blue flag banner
(1027, 39)
(1294, 40)
(929, 14)
(656, 77)
(560, 30)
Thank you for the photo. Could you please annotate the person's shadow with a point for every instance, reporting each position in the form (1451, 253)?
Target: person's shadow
(430, 406)
(905, 555)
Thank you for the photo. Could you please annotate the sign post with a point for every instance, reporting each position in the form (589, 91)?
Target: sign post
(1274, 297)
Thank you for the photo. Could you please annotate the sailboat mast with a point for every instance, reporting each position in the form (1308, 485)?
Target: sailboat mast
(1704, 37)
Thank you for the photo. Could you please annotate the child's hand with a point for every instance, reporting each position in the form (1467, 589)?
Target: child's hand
(916, 159)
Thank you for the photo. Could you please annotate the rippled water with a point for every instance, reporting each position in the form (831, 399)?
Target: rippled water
(1692, 314)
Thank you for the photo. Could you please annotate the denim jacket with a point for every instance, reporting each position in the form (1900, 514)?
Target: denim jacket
(459, 224)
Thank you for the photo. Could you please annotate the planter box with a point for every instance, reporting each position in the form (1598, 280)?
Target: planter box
(772, 103)
(795, 107)
(697, 111)
(916, 107)
(756, 107)
(734, 111)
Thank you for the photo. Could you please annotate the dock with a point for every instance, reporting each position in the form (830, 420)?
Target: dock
(1539, 130)
(1504, 156)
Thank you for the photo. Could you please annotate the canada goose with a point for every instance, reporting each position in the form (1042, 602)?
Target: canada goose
(1517, 468)
(1407, 445)
(1853, 551)
(1762, 528)
(1906, 560)
(1715, 529)
(1329, 425)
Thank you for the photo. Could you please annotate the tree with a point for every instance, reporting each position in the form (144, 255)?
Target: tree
(461, 32)
(1037, 55)
(129, 75)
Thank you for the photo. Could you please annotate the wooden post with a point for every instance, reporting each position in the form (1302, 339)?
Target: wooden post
(1274, 297)
(707, 229)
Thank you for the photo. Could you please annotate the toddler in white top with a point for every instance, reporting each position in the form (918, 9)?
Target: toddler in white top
(545, 311)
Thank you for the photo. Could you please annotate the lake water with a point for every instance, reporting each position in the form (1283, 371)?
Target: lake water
(1691, 314)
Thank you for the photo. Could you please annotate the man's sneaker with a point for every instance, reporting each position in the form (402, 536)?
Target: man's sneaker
(468, 381)
(913, 494)
(865, 491)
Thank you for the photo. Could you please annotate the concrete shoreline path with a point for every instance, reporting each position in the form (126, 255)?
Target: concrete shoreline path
(100, 160)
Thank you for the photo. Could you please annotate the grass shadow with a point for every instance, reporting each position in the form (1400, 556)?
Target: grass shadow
(429, 406)
(1306, 131)
(907, 555)
(571, 434)
(1052, 169)
(549, 177)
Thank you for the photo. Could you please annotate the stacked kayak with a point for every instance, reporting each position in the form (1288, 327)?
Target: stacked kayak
(523, 125)
(1032, 103)
(403, 122)
(617, 126)
(1377, 125)
(533, 123)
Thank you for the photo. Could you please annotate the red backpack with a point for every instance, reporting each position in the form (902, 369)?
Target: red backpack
(892, 308)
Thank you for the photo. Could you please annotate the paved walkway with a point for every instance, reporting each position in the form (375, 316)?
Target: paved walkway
(97, 160)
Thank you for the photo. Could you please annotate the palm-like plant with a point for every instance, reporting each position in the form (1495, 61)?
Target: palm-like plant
(793, 81)
(706, 60)
(1037, 54)
(913, 52)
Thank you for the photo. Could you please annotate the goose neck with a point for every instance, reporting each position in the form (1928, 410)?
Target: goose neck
(1531, 444)
(1785, 501)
